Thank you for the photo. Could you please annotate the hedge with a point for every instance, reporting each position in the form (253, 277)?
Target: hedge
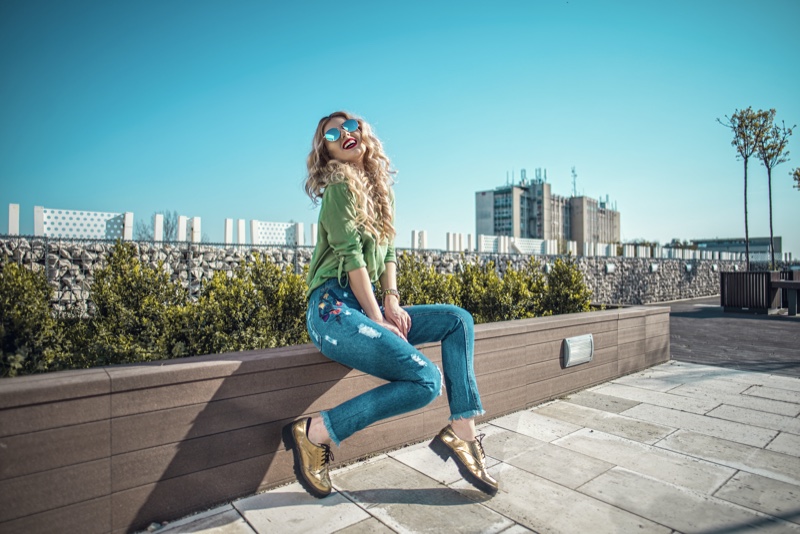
(136, 313)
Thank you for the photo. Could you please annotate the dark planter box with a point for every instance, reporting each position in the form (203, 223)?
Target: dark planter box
(749, 292)
(116, 448)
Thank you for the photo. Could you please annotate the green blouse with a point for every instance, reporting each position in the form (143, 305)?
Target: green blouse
(341, 245)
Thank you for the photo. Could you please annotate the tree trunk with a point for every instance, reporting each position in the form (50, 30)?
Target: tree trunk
(746, 231)
(771, 244)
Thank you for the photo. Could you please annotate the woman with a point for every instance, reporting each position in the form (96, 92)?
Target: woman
(349, 171)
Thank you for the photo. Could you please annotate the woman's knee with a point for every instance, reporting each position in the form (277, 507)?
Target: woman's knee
(462, 317)
(431, 382)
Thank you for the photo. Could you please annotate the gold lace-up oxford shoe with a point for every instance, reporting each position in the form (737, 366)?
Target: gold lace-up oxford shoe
(469, 458)
(311, 461)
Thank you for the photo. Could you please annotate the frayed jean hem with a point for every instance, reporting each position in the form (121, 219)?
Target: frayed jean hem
(467, 415)
(329, 428)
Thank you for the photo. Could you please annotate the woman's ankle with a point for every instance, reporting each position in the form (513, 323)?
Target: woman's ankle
(317, 433)
(464, 429)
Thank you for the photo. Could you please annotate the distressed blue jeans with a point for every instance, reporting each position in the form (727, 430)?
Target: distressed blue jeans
(342, 332)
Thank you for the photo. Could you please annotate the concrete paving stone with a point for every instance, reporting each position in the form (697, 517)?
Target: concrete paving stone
(599, 401)
(679, 508)
(720, 386)
(424, 460)
(773, 393)
(407, 501)
(745, 401)
(547, 507)
(517, 529)
(616, 424)
(712, 378)
(657, 398)
(220, 520)
(368, 526)
(559, 465)
(785, 443)
(668, 466)
(779, 382)
(698, 373)
(730, 430)
(648, 380)
(290, 509)
(535, 425)
(763, 494)
(751, 459)
(757, 418)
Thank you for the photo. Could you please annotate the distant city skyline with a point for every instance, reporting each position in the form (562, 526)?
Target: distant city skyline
(208, 109)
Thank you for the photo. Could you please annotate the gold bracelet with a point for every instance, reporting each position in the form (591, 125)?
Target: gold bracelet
(394, 292)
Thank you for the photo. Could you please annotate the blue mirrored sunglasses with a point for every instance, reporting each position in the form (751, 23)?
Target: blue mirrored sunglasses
(349, 126)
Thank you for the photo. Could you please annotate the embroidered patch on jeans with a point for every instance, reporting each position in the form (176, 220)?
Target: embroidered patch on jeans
(330, 307)
(368, 331)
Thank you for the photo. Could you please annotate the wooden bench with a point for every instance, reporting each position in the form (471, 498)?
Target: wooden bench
(791, 287)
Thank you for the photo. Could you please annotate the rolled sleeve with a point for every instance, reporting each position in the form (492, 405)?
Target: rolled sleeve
(338, 218)
(390, 254)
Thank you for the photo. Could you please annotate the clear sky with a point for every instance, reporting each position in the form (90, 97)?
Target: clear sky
(208, 107)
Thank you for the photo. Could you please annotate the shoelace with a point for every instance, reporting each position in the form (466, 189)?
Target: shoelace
(327, 454)
(479, 441)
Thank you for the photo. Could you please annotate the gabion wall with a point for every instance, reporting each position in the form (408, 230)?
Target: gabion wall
(69, 266)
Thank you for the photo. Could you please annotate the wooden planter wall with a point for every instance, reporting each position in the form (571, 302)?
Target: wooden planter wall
(114, 449)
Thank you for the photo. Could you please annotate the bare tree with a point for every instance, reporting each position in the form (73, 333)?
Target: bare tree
(795, 174)
(144, 231)
(771, 144)
(744, 125)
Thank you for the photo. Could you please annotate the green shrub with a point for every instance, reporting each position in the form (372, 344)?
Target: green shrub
(525, 289)
(481, 292)
(133, 311)
(258, 306)
(137, 314)
(283, 292)
(566, 290)
(478, 289)
(419, 283)
(27, 326)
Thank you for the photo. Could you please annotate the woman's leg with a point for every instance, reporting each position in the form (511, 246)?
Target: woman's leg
(347, 336)
(454, 327)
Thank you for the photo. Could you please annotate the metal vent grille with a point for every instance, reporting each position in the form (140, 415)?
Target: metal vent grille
(578, 350)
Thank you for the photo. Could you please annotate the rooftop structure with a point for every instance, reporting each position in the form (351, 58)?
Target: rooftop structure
(530, 210)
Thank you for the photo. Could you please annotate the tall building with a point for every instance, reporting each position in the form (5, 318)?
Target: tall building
(530, 210)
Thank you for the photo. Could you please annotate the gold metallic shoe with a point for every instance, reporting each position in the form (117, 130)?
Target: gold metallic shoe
(310, 460)
(469, 458)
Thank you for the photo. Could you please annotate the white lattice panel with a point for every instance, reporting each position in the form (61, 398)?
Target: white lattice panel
(488, 243)
(272, 233)
(530, 246)
(83, 224)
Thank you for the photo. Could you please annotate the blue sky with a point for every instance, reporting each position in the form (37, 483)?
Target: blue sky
(208, 107)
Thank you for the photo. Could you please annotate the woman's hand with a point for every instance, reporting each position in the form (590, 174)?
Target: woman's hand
(396, 316)
(391, 328)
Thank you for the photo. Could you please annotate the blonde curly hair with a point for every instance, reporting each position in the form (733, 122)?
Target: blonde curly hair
(371, 186)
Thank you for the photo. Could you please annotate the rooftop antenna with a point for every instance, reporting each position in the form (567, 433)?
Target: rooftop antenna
(574, 182)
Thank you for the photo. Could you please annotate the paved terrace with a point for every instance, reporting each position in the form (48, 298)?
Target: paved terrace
(708, 442)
